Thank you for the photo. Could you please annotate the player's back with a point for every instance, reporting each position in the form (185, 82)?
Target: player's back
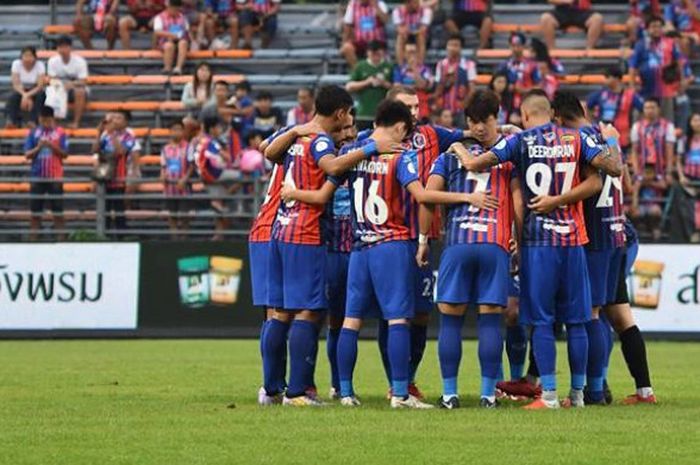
(261, 230)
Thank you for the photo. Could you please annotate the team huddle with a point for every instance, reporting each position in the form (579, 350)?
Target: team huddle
(535, 236)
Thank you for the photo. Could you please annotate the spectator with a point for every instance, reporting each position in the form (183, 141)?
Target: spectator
(656, 60)
(443, 117)
(72, 70)
(46, 147)
(364, 22)
(242, 105)
(615, 104)
(220, 105)
(219, 13)
(679, 89)
(454, 76)
(416, 75)
(140, 18)
(568, 13)
(252, 163)
(688, 167)
(412, 22)
(523, 73)
(115, 145)
(199, 92)
(176, 172)
(96, 16)
(640, 12)
(551, 70)
(475, 13)
(684, 17)
(507, 114)
(266, 118)
(133, 168)
(27, 75)
(370, 80)
(304, 110)
(258, 15)
(171, 31)
(653, 139)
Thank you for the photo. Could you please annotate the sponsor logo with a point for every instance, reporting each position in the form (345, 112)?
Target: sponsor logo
(43, 287)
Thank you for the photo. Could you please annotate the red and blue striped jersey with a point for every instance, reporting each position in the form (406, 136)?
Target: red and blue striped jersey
(476, 6)
(604, 212)
(465, 223)
(378, 196)
(651, 139)
(691, 158)
(174, 163)
(548, 159)
(413, 20)
(364, 18)
(616, 108)
(129, 143)
(209, 159)
(638, 8)
(298, 222)
(223, 8)
(677, 14)
(339, 218)
(464, 72)
(47, 163)
(261, 230)
(650, 57)
(263, 7)
(523, 72)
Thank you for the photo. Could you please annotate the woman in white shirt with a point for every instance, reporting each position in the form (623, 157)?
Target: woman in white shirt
(198, 92)
(28, 89)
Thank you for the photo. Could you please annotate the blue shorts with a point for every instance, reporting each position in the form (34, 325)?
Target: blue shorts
(632, 251)
(425, 284)
(382, 278)
(337, 282)
(514, 287)
(259, 257)
(604, 274)
(297, 278)
(554, 286)
(475, 274)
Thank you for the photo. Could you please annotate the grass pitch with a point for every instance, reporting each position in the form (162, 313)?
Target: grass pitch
(165, 402)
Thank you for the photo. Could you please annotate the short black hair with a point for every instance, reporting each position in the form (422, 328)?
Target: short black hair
(653, 19)
(263, 95)
(484, 103)
(175, 2)
(653, 99)
(126, 113)
(308, 90)
(64, 40)
(176, 122)
(46, 112)
(221, 82)
(567, 106)
(456, 36)
(252, 134)
(28, 48)
(376, 45)
(390, 112)
(210, 121)
(330, 99)
(244, 85)
(614, 72)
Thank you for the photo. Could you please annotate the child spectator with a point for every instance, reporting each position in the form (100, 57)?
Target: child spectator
(171, 31)
(370, 80)
(176, 172)
(219, 13)
(96, 16)
(266, 118)
(475, 13)
(454, 76)
(523, 73)
(140, 18)
(412, 22)
(416, 75)
(72, 70)
(27, 74)
(199, 91)
(304, 110)
(568, 13)
(46, 147)
(258, 15)
(364, 22)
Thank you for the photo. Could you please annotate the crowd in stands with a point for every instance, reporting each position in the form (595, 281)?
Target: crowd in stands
(645, 96)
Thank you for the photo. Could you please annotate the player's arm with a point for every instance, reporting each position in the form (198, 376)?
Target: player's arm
(609, 159)
(423, 196)
(591, 185)
(472, 163)
(334, 165)
(518, 208)
(275, 147)
(425, 220)
(318, 197)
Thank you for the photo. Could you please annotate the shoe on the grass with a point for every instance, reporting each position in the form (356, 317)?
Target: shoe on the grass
(412, 391)
(607, 393)
(451, 403)
(636, 399)
(486, 403)
(302, 401)
(311, 392)
(264, 399)
(587, 400)
(541, 404)
(520, 388)
(350, 401)
(333, 394)
(409, 402)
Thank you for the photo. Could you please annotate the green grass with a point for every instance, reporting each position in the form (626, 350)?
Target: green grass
(165, 402)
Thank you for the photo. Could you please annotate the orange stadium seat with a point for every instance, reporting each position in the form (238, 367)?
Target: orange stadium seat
(139, 106)
(172, 105)
(56, 29)
(200, 55)
(160, 132)
(150, 80)
(157, 54)
(110, 80)
(233, 53)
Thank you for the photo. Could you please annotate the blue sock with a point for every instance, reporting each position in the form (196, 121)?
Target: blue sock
(332, 352)
(303, 340)
(516, 348)
(578, 353)
(382, 337)
(490, 351)
(399, 345)
(597, 353)
(610, 343)
(274, 355)
(263, 326)
(347, 357)
(450, 351)
(545, 351)
(311, 381)
(419, 335)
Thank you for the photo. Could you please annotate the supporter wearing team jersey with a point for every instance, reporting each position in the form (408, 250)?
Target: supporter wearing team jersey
(688, 161)
(219, 14)
(416, 75)
(551, 70)
(304, 110)
(571, 13)
(140, 18)
(259, 15)
(96, 16)
(474, 267)
(364, 22)
(45, 147)
(523, 73)
(684, 17)
(549, 161)
(656, 60)
(412, 22)
(640, 11)
(454, 80)
(475, 13)
(176, 169)
(508, 113)
(605, 256)
(171, 32)
(615, 104)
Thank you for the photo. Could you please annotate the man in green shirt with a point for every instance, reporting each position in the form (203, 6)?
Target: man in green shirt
(370, 80)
